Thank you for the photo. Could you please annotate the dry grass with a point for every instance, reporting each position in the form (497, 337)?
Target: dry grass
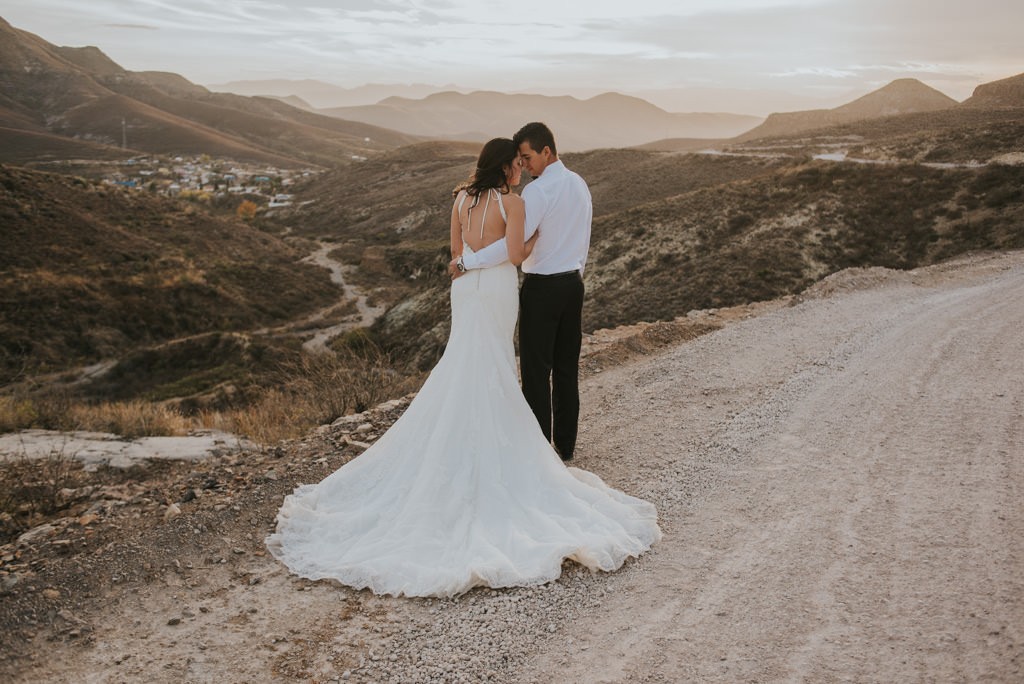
(130, 419)
(58, 411)
(320, 389)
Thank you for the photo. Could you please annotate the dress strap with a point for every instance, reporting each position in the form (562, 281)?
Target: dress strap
(483, 219)
(501, 208)
(487, 203)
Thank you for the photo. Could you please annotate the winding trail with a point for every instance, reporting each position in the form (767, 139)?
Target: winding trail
(367, 314)
(321, 335)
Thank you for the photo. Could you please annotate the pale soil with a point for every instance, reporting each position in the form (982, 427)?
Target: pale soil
(839, 481)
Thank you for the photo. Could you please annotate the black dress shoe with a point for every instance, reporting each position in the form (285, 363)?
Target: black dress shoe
(565, 458)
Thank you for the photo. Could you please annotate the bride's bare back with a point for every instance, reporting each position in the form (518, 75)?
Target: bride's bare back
(484, 218)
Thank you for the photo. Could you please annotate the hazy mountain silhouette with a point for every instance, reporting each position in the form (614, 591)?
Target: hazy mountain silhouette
(608, 120)
(323, 95)
(50, 92)
(902, 96)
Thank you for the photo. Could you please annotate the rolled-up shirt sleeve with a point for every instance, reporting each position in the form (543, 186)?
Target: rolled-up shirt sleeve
(491, 255)
(533, 198)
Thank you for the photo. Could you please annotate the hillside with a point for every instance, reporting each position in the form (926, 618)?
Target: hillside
(608, 120)
(766, 237)
(676, 232)
(902, 96)
(81, 94)
(756, 239)
(1008, 92)
(99, 272)
(405, 195)
(390, 217)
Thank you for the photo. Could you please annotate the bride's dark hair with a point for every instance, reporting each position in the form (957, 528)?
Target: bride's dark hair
(494, 158)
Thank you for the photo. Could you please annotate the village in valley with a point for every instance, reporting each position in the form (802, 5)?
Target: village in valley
(205, 178)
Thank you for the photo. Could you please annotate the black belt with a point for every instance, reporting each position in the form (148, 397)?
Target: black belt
(563, 274)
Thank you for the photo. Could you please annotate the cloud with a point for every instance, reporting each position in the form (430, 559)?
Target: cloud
(598, 44)
(144, 27)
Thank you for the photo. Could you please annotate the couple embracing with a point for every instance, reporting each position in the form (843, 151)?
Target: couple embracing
(466, 488)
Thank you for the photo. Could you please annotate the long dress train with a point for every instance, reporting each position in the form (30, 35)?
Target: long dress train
(463, 490)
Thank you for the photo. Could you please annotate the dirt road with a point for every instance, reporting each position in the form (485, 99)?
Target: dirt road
(841, 487)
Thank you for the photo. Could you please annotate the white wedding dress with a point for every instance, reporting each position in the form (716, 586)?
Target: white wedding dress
(463, 490)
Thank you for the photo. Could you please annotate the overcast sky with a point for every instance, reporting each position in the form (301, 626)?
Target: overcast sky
(830, 49)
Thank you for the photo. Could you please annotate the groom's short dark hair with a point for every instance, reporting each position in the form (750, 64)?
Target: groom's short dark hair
(538, 135)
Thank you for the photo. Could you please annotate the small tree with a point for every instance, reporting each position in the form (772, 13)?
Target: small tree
(247, 210)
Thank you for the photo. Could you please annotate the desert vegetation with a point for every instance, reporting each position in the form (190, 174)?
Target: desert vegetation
(198, 312)
(679, 232)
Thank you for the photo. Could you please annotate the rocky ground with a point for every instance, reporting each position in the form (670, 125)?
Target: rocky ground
(838, 477)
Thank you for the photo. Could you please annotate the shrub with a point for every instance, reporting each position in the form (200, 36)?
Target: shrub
(316, 389)
(247, 210)
(129, 419)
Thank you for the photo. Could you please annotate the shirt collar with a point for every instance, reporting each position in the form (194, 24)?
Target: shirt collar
(556, 166)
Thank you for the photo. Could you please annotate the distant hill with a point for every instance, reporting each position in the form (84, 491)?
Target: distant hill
(404, 195)
(294, 101)
(80, 93)
(608, 120)
(100, 271)
(1008, 92)
(986, 128)
(321, 95)
(902, 96)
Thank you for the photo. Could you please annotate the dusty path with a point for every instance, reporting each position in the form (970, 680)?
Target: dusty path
(367, 314)
(839, 482)
(841, 486)
(320, 335)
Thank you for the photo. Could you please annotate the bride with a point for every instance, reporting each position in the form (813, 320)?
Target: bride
(464, 490)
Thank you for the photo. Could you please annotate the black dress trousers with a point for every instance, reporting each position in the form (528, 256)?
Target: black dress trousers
(550, 336)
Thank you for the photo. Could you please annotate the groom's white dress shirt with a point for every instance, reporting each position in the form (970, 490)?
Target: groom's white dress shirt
(558, 204)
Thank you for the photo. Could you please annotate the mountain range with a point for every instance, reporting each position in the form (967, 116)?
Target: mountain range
(321, 95)
(905, 108)
(607, 120)
(902, 96)
(75, 102)
(65, 101)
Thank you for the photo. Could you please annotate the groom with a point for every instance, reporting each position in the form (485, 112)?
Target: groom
(551, 297)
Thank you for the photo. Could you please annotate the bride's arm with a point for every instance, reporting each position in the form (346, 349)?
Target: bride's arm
(514, 227)
(456, 228)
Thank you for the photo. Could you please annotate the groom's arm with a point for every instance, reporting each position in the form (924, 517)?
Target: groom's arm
(491, 255)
